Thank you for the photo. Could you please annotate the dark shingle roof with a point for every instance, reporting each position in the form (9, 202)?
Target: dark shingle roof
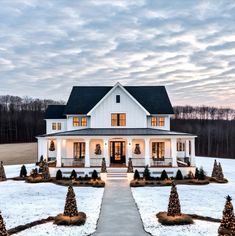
(55, 112)
(116, 132)
(153, 98)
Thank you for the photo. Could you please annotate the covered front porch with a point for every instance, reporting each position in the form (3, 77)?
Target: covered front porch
(88, 152)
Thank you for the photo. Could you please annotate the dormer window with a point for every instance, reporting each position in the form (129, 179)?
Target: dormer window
(79, 121)
(157, 121)
(75, 121)
(118, 99)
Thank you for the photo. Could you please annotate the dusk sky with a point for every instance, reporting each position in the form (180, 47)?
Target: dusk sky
(46, 47)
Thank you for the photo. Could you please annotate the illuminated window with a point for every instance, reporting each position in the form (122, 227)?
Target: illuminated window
(180, 146)
(84, 121)
(161, 121)
(53, 126)
(153, 121)
(79, 150)
(59, 126)
(118, 119)
(75, 121)
(122, 119)
(158, 150)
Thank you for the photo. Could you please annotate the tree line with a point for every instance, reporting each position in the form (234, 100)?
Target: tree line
(21, 119)
(215, 128)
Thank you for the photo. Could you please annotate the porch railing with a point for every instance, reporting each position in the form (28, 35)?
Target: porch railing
(96, 161)
(73, 162)
(138, 161)
(159, 162)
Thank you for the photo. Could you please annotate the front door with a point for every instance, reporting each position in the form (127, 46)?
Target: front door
(117, 152)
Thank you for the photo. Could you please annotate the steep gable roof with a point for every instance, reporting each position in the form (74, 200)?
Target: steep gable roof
(153, 98)
(55, 112)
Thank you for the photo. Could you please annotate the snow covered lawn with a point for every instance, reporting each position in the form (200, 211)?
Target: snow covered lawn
(205, 200)
(23, 203)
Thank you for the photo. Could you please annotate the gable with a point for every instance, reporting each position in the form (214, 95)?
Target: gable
(153, 98)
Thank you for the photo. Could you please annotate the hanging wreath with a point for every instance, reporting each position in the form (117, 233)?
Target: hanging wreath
(52, 146)
(98, 149)
(137, 149)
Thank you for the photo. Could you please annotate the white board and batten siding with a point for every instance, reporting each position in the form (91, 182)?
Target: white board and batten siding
(135, 116)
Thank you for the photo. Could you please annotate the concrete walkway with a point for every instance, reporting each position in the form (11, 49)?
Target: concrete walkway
(119, 215)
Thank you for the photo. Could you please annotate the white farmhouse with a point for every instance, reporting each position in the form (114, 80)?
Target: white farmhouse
(115, 123)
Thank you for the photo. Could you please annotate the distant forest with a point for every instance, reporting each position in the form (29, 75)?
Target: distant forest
(21, 119)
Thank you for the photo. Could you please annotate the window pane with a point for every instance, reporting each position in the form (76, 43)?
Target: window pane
(117, 98)
(154, 121)
(161, 121)
(114, 120)
(75, 121)
(122, 119)
(84, 121)
(53, 126)
(59, 126)
(76, 150)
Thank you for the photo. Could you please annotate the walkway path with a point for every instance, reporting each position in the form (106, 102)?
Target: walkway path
(119, 215)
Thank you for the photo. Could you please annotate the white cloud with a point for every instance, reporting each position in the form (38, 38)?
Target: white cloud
(47, 48)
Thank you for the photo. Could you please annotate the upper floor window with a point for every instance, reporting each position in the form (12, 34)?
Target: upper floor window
(56, 126)
(79, 121)
(180, 146)
(161, 121)
(153, 121)
(59, 126)
(53, 126)
(118, 119)
(75, 121)
(118, 99)
(157, 121)
(84, 121)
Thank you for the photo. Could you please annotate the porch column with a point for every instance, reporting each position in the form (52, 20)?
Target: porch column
(147, 153)
(58, 152)
(193, 152)
(129, 150)
(174, 152)
(187, 148)
(44, 150)
(87, 149)
(106, 152)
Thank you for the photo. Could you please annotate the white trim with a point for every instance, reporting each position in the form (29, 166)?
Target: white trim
(124, 90)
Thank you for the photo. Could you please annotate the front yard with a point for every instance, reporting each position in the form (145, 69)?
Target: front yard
(205, 200)
(23, 203)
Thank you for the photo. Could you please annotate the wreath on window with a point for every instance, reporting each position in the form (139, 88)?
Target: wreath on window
(98, 149)
(137, 149)
(52, 146)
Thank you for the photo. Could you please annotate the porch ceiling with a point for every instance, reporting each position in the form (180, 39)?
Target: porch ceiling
(116, 132)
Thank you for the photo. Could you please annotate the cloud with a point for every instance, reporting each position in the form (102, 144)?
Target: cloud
(45, 49)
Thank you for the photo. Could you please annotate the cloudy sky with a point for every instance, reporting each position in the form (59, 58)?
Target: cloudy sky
(46, 47)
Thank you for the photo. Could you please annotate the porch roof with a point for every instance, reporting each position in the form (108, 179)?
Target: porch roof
(117, 132)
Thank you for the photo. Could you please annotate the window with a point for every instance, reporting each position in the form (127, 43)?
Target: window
(158, 150)
(153, 121)
(180, 146)
(75, 121)
(118, 119)
(59, 126)
(118, 99)
(161, 121)
(84, 121)
(79, 150)
(53, 126)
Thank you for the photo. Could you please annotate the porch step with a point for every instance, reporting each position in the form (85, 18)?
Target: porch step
(116, 175)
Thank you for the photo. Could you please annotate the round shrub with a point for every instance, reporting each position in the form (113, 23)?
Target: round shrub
(164, 175)
(73, 174)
